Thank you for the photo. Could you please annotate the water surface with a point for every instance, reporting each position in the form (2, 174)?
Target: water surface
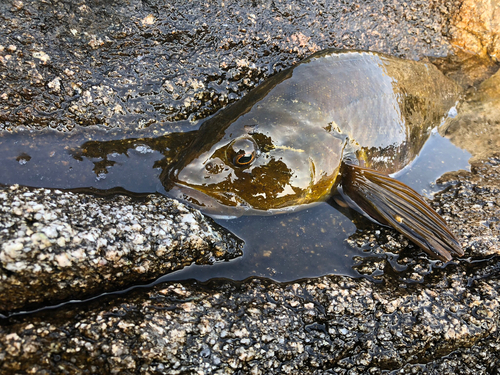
(285, 247)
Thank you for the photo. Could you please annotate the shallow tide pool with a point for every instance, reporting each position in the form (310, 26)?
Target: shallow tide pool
(285, 247)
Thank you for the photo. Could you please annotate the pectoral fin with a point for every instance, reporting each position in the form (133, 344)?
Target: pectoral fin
(391, 202)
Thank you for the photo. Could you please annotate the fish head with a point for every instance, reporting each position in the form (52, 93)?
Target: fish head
(271, 151)
(257, 169)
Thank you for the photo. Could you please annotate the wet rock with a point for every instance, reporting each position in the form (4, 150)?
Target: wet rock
(308, 327)
(444, 322)
(476, 28)
(134, 64)
(59, 245)
(473, 200)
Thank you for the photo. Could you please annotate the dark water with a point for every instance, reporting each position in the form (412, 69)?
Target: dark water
(91, 157)
(286, 247)
(312, 242)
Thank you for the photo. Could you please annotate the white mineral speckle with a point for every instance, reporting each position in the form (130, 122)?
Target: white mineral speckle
(188, 219)
(55, 84)
(14, 343)
(11, 251)
(36, 207)
(148, 20)
(63, 260)
(118, 350)
(139, 239)
(102, 243)
(42, 56)
(50, 232)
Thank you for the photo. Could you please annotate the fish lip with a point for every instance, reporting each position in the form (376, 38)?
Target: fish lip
(210, 206)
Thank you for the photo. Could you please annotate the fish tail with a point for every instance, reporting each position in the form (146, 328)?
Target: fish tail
(391, 202)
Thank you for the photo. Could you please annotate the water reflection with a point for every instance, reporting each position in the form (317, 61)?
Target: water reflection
(308, 243)
(91, 157)
(286, 247)
(476, 128)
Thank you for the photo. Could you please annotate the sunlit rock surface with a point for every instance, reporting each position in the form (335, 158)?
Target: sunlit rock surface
(476, 28)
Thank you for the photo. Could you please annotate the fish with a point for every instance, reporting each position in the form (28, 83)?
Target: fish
(339, 122)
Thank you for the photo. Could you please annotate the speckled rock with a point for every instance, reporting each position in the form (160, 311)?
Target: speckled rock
(66, 63)
(59, 245)
(444, 323)
(476, 28)
(328, 325)
(473, 201)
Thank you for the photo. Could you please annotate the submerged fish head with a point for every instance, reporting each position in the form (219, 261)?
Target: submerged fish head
(257, 170)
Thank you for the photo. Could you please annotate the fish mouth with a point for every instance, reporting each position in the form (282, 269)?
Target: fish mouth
(208, 204)
(211, 206)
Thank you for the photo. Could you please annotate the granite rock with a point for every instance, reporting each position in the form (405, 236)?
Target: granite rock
(58, 245)
(476, 28)
(132, 64)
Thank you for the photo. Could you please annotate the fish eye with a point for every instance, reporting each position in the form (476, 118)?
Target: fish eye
(242, 151)
(244, 159)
